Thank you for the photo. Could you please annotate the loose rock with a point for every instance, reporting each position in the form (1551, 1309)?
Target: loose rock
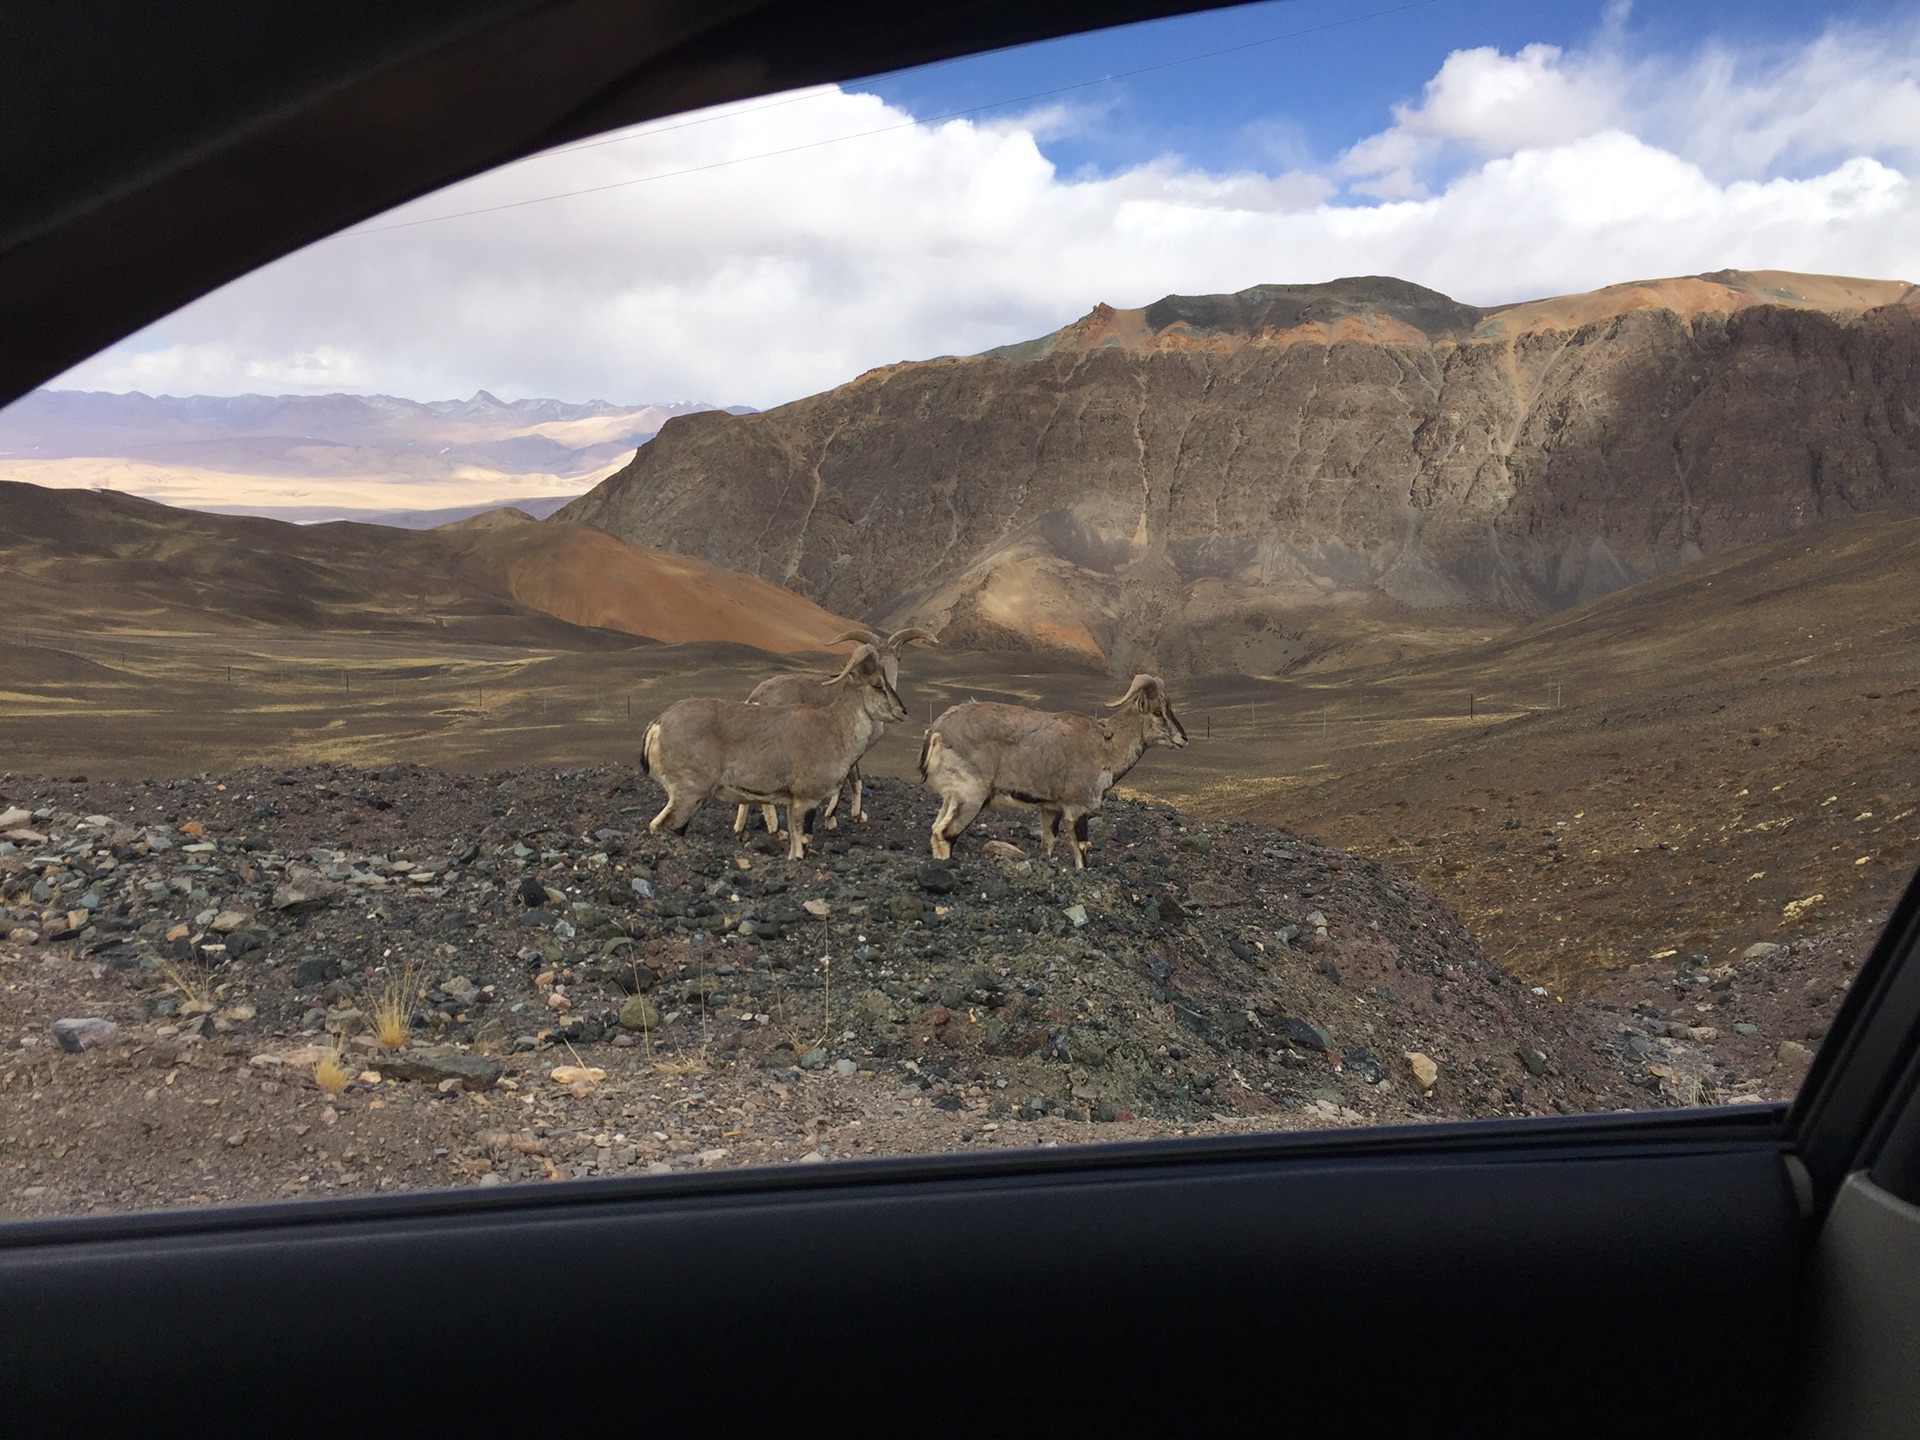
(77, 1035)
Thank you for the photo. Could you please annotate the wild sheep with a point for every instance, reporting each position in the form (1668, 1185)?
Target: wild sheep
(806, 690)
(980, 752)
(792, 755)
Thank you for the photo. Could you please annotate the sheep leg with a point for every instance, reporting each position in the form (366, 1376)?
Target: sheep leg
(1049, 829)
(770, 816)
(1082, 846)
(859, 811)
(956, 814)
(800, 821)
(675, 815)
(826, 811)
(739, 822)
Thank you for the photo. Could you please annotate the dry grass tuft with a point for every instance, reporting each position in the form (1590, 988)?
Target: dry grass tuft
(387, 1017)
(331, 1074)
(193, 981)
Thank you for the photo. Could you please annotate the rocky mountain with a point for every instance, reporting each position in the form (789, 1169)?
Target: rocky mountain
(324, 457)
(1255, 481)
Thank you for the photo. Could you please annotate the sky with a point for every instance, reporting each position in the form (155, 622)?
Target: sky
(1496, 150)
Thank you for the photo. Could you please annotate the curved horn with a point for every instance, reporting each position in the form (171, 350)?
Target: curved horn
(901, 638)
(865, 654)
(1149, 684)
(861, 637)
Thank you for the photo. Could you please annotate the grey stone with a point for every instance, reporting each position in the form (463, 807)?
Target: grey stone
(1743, 1027)
(304, 889)
(77, 1035)
(1307, 1035)
(937, 877)
(1534, 1060)
(846, 1068)
(1087, 1051)
(437, 1063)
(1363, 1065)
(315, 970)
(1761, 951)
(1212, 894)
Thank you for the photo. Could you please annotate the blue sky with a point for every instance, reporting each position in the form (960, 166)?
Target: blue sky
(755, 253)
(1304, 99)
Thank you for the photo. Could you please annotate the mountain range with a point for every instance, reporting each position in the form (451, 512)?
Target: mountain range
(325, 457)
(1300, 475)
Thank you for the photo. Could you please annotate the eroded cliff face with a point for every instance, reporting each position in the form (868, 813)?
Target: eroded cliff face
(1259, 480)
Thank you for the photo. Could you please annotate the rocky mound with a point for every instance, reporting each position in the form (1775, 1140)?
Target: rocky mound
(1242, 481)
(653, 1001)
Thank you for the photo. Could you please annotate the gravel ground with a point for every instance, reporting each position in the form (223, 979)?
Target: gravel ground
(573, 996)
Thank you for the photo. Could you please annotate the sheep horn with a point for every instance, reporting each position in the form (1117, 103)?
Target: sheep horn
(901, 638)
(1149, 684)
(866, 654)
(860, 637)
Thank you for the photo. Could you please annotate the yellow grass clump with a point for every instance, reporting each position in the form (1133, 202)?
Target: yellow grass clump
(387, 1017)
(331, 1074)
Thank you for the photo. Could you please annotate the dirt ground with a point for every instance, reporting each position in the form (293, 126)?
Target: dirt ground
(581, 998)
(1646, 865)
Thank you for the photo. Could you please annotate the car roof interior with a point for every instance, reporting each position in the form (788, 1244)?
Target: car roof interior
(1739, 1271)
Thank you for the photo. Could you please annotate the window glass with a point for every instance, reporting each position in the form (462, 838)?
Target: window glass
(1330, 629)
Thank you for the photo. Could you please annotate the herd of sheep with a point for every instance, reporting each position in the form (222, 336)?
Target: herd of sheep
(797, 738)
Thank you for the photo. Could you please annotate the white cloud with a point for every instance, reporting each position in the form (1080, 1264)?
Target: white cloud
(1493, 102)
(1518, 175)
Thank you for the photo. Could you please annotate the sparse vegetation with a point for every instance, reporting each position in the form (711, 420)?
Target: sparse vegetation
(389, 1016)
(331, 1074)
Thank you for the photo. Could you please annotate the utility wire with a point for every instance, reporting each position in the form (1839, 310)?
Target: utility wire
(864, 134)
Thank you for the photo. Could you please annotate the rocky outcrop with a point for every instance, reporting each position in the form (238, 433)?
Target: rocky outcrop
(1250, 481)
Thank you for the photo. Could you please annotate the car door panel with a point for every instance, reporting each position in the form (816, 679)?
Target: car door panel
(1521, 1283)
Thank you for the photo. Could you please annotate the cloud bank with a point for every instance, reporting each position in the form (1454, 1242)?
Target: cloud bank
(1512, 176)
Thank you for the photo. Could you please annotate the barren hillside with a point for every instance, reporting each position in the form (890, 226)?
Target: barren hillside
(1241, 482)
(107, 563)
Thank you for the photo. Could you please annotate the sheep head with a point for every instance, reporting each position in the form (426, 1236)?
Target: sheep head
(1147, 696)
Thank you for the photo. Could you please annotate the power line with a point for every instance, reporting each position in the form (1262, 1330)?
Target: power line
(864, 134)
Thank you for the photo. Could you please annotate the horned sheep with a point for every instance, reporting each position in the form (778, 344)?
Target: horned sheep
(981, 752)
(805, 689)
(792, 755)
